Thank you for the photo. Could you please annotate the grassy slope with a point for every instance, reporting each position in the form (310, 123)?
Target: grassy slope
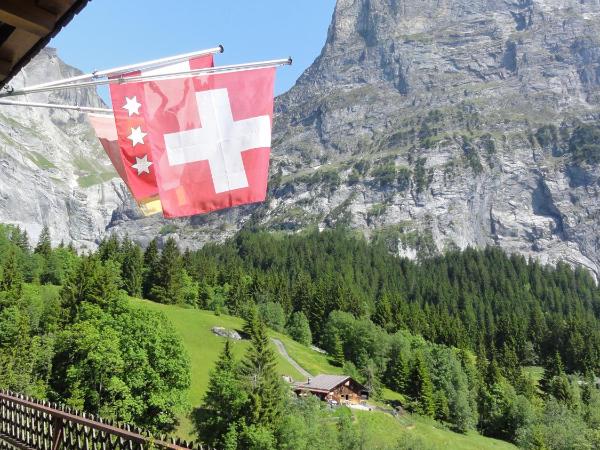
(203, 347)
(382, 429)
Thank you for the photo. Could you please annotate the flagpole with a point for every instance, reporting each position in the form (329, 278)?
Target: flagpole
(155, 77)
(129, 68)
(56, 106)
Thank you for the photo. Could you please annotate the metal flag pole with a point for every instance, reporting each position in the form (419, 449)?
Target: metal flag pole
(130, 68)
(154, 77)
(56, 106)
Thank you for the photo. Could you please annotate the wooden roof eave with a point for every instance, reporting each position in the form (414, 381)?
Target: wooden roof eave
(35, 22)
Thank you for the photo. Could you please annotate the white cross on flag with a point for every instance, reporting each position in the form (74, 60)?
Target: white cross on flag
(210, 139)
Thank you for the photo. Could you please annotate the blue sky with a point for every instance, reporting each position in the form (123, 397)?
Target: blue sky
(109, 33)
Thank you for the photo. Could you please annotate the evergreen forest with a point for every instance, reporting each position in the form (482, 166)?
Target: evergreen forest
(458, 336)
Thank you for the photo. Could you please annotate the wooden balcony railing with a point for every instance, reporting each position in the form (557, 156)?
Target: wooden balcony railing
(29, 424)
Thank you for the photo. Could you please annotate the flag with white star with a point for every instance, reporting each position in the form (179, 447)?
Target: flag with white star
(106, 131)
(129, 101)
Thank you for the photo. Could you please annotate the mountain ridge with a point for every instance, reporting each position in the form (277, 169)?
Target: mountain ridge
(432, 125)
(453, 97)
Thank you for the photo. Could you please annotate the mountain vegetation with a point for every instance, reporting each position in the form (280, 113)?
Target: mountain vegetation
(451, 333)
(81, 343)
(378, 429)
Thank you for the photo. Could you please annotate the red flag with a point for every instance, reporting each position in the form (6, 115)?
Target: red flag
(132, 128)
(106, 131)
(210, 138)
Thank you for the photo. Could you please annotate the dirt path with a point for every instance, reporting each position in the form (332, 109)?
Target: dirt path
(281, 348)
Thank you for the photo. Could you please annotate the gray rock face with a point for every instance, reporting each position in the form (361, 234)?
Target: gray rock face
(429, 125)
(443, 102)
(52, 171)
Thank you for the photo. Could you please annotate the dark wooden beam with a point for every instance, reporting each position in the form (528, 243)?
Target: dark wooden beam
(54, 6)
(5, 67)
(24, 14)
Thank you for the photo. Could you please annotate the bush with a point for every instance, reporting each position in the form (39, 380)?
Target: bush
(362, 167)
(488, 144)
(273, 315)
(354, 177)
(421, 180)
(299, 329)
(471, 155)
(558, 428)
(584, 144)
(547, 136)
(404, 175)
(386, 175)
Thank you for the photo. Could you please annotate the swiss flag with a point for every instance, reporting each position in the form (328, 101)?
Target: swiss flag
(128, 101)
(210, 139)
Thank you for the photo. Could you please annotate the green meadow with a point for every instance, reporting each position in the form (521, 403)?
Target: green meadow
(379, 429)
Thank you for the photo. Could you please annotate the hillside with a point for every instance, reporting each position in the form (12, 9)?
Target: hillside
(381, 429)
(475, 340)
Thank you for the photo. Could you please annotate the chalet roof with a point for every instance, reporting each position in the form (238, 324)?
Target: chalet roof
(26, 26)
(323, 383)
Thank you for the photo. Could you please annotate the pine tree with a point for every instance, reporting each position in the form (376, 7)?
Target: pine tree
(91, 282)
(397, 371)
(151, 267)
(493, 374)
(224, 402)
(442, 408)
(132, 268)
(338, 351)
(316, 310)
(239, 294)
(560, 388)
(250, 321)
(12, 278)
(44, 245)
(109, 249)
(420, 388)
(168, 284)
(20, 239)
(383, 311)
(553, 367)
(258, 371)
(509, 362)
(302, 293)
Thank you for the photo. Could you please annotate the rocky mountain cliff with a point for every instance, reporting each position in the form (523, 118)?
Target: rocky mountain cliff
(52, 171)
(436, 124)
(429, 125)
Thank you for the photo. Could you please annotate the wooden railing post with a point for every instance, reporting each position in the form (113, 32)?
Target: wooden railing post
(57, 433)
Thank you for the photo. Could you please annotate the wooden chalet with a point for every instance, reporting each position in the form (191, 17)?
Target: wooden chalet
(26, 26)
(334, 388)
